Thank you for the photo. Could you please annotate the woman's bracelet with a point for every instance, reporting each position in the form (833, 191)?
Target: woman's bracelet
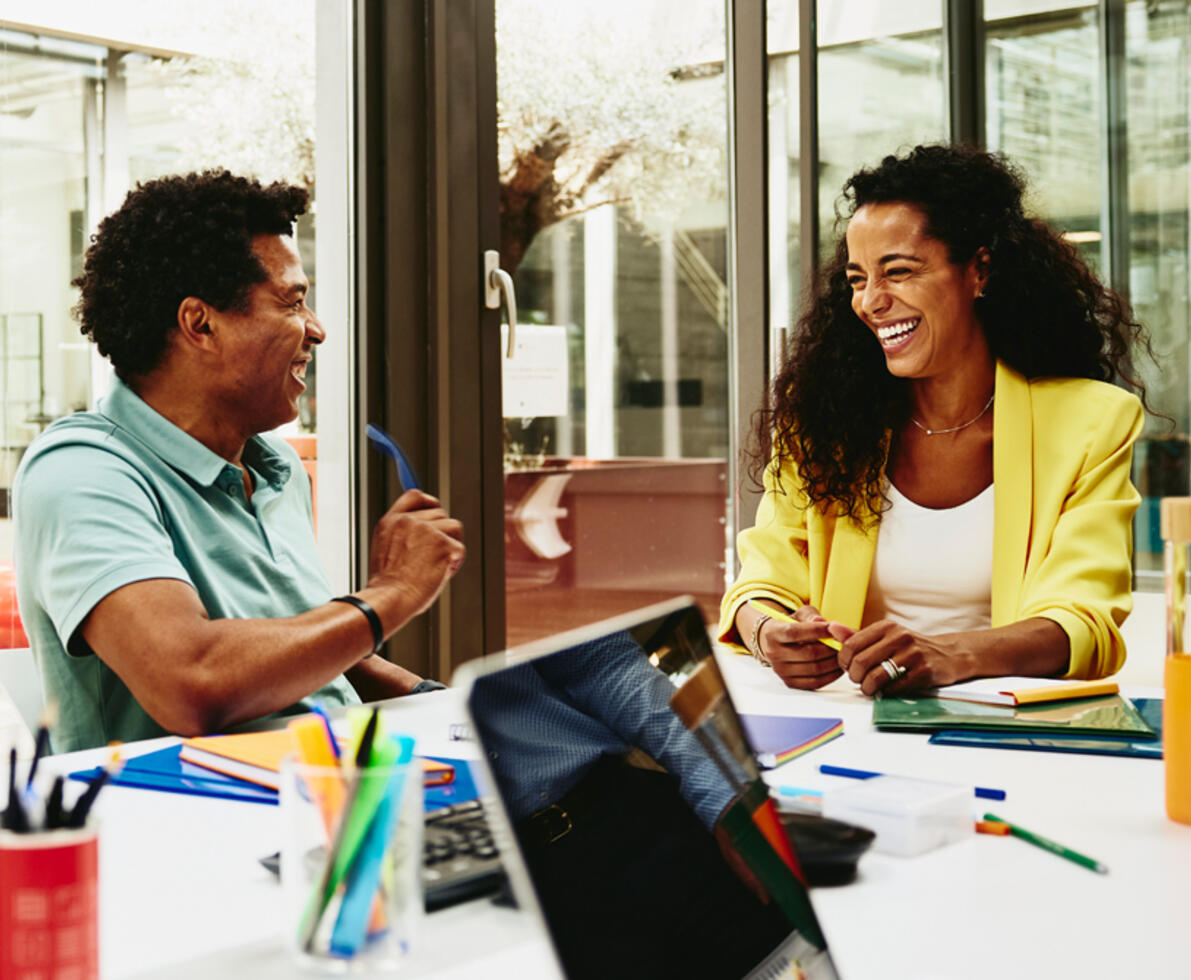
(756, 644)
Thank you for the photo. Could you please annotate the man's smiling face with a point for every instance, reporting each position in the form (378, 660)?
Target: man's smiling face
(267, 346)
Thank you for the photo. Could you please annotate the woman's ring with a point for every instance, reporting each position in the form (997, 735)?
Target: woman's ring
(895, 671)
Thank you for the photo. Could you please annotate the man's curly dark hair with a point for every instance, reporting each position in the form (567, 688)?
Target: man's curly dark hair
(175, 237)
(834, 403)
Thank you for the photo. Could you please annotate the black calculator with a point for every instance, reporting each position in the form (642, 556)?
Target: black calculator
(460, 859)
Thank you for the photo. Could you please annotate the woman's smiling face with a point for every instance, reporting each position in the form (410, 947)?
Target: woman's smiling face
(920, 306)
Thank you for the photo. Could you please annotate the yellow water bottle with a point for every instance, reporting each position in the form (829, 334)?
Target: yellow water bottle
(1176, 709)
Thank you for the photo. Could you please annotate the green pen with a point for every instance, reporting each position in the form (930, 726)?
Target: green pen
(827, 641)
(374, 758)
(1053, 846)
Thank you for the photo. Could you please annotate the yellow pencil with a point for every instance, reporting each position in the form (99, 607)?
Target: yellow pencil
(827, 641)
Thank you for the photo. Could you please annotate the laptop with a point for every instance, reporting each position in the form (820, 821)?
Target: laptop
(630, 810)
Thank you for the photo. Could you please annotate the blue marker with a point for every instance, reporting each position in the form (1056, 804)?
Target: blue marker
(321, 712)
(981, 791)
(384, 442)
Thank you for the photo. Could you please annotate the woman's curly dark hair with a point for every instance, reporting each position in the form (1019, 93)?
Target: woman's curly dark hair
(176, 237)
(1044, 313)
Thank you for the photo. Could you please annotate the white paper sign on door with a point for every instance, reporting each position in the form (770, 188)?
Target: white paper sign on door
(536, 378)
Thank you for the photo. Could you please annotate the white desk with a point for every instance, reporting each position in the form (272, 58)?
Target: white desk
(182, 894)
(996, 906)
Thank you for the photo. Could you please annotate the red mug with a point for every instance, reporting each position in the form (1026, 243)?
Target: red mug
(49, 904)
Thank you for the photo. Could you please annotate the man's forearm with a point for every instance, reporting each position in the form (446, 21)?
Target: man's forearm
(194, 675)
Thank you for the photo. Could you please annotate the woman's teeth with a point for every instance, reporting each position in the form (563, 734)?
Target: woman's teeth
(896, 332)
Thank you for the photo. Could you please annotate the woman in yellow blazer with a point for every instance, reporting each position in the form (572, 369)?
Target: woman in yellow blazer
(951, 371)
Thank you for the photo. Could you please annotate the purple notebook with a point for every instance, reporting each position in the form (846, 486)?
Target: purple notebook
(779, 738)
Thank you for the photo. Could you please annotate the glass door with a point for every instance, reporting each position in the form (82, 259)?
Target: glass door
(612, 125)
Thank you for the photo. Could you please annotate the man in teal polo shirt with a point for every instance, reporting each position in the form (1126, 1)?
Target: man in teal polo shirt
(167, 571)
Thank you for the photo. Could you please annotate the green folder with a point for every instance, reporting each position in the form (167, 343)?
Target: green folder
(1100, 715)
(1111, 743)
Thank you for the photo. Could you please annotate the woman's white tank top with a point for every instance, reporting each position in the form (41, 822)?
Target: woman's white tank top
(932, 571)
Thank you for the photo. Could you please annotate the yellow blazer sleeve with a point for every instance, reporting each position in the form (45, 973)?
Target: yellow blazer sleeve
(1079, 570)
(773, 553)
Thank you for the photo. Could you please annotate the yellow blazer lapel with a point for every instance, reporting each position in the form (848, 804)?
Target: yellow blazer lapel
(1013, 479)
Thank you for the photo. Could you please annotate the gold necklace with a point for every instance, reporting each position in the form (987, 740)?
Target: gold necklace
(956, 428)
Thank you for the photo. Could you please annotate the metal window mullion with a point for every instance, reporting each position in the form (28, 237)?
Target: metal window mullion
(1114, 148)
(963, 57)
(747, 246)
(808, 144)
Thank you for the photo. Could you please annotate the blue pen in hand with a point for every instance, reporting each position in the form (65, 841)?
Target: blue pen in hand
(384, 442)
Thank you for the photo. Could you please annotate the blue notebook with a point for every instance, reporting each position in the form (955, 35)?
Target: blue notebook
(1150, 710)
(164, 771)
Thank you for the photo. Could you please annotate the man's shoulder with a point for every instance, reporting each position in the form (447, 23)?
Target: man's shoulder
(82, 429)
(83, 443)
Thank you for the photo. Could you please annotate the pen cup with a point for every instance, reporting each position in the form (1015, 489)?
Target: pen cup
(49, 904)
(351, 862)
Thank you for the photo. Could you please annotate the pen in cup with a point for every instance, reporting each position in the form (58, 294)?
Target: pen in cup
(14, 817)
(49, 718)
(78, 815)
(332, 743)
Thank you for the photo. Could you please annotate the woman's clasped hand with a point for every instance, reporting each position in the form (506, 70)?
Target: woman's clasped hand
(796, 649)
(802, 660)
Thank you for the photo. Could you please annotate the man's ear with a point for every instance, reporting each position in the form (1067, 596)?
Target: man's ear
(982, 262)
(194, 322)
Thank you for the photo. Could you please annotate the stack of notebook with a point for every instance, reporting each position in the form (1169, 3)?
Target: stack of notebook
(1085, 716)
(247, 767)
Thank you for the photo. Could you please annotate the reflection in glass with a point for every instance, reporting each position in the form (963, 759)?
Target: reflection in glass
(612, 126)
(46, 94)
(648, 833)
(1158, 77)
(880, 89)
(80, 123)
(1042, 94)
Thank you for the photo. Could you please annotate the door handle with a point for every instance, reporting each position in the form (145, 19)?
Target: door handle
(498, 287)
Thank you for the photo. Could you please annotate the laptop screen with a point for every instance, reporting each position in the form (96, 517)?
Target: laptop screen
(638, 807)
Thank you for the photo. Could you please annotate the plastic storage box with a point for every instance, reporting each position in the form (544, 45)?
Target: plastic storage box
(909, 816)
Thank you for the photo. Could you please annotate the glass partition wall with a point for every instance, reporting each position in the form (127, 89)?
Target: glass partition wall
(81, 122)
(612, 124)
(615, 126)
(1157, 48)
